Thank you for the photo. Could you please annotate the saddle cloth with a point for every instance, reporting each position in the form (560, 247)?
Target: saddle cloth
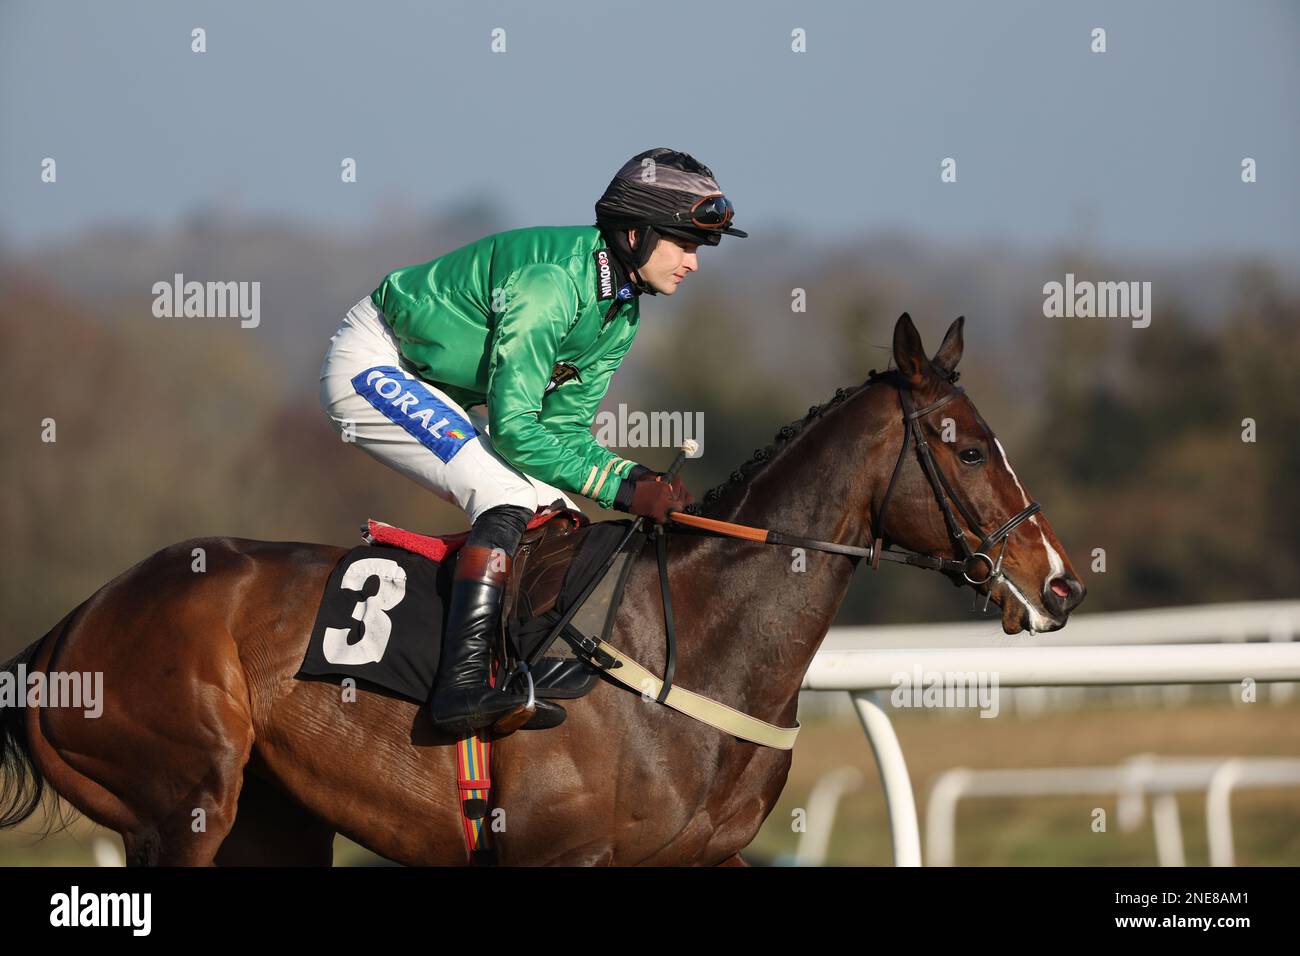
(381, 617)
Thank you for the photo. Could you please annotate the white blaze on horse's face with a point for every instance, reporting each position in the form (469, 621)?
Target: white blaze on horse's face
(1032, 537)
(1038, 621)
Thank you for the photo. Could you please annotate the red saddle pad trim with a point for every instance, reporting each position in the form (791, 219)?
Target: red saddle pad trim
(437, 548)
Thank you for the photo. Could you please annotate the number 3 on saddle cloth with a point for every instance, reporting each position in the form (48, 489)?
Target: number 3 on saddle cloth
(380, 620)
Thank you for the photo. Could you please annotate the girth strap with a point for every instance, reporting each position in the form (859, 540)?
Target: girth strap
(703, 709)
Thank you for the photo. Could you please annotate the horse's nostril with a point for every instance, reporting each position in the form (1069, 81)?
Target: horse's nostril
(1060, 588)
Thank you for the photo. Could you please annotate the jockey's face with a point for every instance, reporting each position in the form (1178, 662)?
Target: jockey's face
(669, 263)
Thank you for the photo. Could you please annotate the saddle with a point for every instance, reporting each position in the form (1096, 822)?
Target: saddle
(537, 574)
(533, 589)
(558, 556)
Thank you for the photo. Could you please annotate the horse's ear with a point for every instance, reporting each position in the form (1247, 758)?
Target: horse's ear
(909, 352)
(949, 353)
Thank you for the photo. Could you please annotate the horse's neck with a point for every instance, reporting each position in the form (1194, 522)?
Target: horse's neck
(771, 604)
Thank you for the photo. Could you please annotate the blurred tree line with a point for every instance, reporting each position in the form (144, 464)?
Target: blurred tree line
(1148, 460)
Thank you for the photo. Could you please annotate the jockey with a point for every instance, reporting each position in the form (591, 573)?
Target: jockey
(479, 374)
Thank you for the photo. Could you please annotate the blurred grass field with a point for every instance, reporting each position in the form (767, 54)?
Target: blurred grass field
(1055, 831)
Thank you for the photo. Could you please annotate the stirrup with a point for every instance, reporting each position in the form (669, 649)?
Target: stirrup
(546, 715)
(549, 714)
(509, 722)
(533, 714)
(512, 721)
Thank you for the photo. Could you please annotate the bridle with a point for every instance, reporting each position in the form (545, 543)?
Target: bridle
(943, 493)
(966, 566)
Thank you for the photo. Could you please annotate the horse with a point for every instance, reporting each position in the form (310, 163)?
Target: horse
(210, 752)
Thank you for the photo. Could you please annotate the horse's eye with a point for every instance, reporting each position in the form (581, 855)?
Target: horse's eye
(972, 456)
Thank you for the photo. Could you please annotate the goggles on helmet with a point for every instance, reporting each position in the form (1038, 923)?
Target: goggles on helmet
(710, 212)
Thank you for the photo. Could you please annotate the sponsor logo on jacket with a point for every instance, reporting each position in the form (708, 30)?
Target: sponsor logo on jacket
(605, 274)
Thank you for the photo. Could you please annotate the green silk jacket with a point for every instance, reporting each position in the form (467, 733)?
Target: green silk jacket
(534, 322)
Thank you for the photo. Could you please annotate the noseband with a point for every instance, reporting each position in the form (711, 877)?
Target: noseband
(944, 494)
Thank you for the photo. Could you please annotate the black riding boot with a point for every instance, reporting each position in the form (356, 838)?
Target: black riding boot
(461, 701)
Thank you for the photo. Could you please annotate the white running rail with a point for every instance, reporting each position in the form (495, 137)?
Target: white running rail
(1130, 782)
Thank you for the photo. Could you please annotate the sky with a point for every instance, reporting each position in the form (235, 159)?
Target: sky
(1136, 149)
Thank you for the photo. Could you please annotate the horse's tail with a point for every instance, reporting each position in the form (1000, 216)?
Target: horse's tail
(22, 787)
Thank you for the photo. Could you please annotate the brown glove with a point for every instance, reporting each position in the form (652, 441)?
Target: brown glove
(654, 498)
(679, 489)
